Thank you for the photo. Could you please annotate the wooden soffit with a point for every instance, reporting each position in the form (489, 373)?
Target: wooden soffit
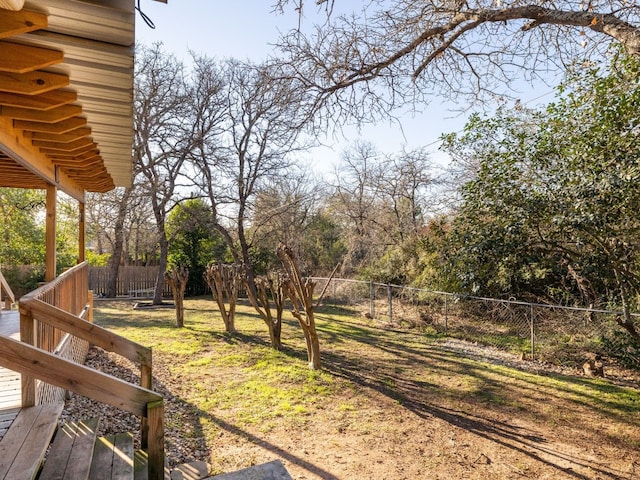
(66, 95)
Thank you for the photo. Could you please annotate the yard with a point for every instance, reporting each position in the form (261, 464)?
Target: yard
(389, 404)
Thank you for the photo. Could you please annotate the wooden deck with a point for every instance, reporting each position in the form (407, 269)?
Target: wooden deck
(9, 381)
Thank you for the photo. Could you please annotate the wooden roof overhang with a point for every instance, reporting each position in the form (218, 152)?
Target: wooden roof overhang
(66, 94)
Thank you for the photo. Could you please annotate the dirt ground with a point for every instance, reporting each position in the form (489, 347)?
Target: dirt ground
(410, 409)
(407, 434)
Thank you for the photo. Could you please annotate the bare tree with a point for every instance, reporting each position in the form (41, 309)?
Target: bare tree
(301, 294)
(405, 180)
(381, 200)
(99, 218)
(354, 202)
(208, 160)
(270, 289)
(109, 219)
(368, 62)
(224, 281)
(284, 208)
(250, 143)
(141, 243)
(163, 137)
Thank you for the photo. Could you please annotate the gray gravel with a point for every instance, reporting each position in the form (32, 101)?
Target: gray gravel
(182, 444)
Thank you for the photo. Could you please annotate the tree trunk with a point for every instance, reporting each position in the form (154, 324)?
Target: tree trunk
(627, 321)
(628, 324)
(162, 266)
(313, 344)
(313, 353)
(178, 299)
(177, 279)
(114, 269)
(118, 247)
(275, 335)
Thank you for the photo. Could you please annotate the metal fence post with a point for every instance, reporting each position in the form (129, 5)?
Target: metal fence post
(372, 300)
(390, 300)
(533, 335)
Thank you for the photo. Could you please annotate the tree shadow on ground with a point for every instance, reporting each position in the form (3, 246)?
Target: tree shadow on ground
(194, 417)
(231, 338)
(185, 439)
(353, 351)
(274, 449)
(135, 321)
(427, 399)
(402, 346)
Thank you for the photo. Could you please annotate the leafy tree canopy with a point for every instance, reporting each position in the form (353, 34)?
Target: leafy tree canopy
(556, 194)
(193, 241)
(22, 228)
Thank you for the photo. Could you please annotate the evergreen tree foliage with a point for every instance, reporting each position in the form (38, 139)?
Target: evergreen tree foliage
(193, 242)
(552, 211)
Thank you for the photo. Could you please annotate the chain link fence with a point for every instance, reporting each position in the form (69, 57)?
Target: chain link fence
(549, 333)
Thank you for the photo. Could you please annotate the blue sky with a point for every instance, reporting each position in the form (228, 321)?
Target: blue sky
(246, 30)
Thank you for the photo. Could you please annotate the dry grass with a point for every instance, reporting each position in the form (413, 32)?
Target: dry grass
(388, 404)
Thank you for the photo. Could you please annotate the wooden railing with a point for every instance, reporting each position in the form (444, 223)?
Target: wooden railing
(67, 292)
(5, 289)
(49, 317)
(28, 360)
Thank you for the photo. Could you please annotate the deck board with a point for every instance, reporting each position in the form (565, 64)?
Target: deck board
(71, 451)
(24, 445)
(10, 396)
(113, 458)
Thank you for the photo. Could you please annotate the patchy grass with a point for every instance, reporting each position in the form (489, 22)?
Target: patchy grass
(387, 404)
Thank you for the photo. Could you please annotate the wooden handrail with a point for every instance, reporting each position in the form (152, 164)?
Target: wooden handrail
(76, 277)
(4, 287)
(25, 359)
(21, 357)
(35, 309)
(28, 360)
(101, 337)
(41, 291)
(56, 309)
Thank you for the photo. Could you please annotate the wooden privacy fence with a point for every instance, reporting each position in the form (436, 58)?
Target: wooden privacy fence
(132, 281)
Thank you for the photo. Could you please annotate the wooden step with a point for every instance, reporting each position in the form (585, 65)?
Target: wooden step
(71, 451)
(24, 445)
(113, 458)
